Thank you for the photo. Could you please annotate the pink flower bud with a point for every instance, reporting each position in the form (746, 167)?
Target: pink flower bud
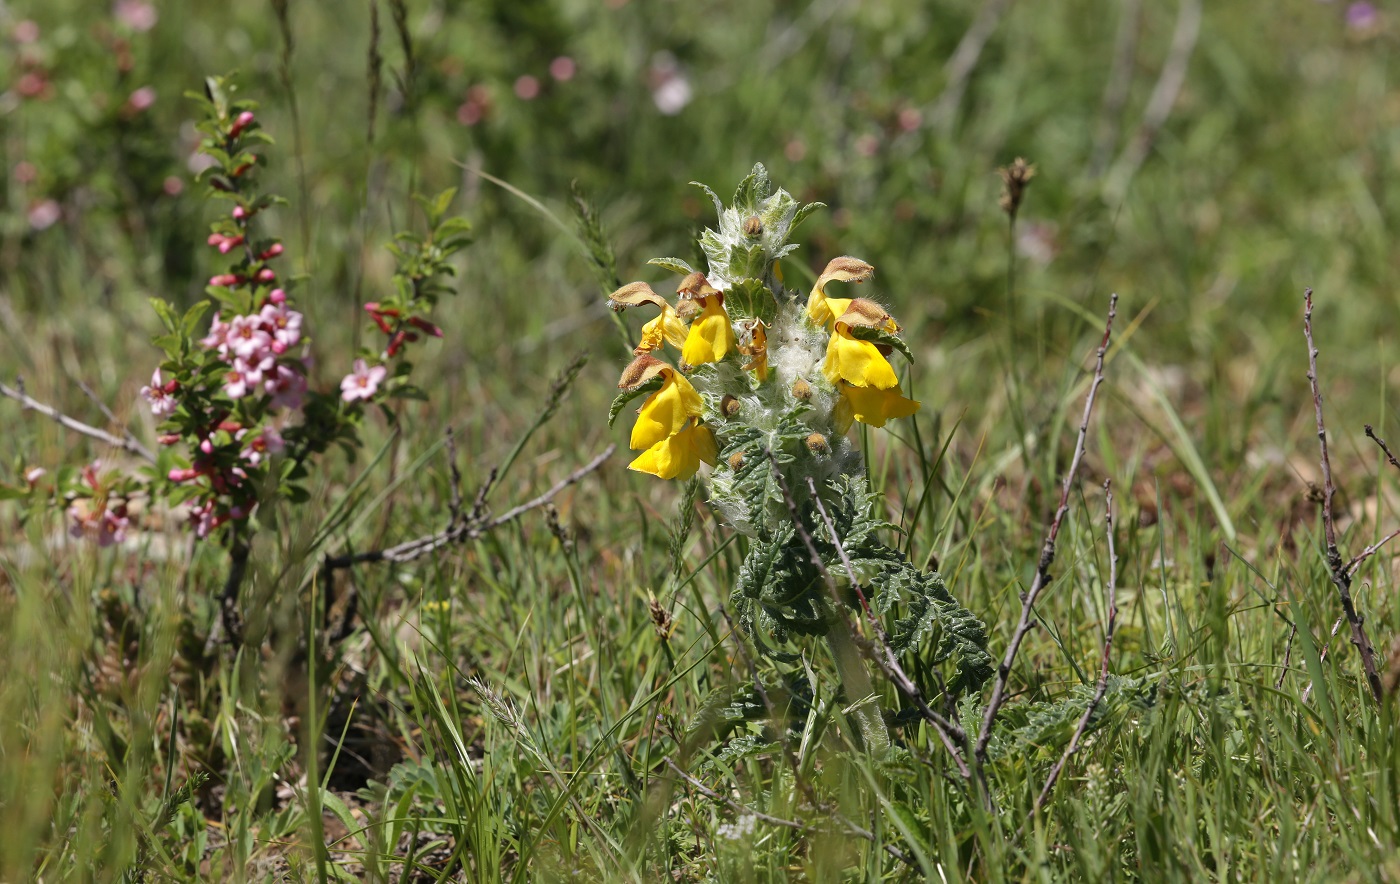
(215, 238)
(185, 475)
(371, 306)
(272, 251)
(171, 386)
(278, 347)
(243, 121)
(266, 275)
(424, 325)
(169, 438)
(277, 297)
(224, 279)
(206, 446)
(239, 213)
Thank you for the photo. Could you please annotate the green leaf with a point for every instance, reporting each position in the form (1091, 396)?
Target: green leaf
(750, 299)
(675, 265)
(626, 396)
(880, 336)
(9, 492)
(167, 316)
(803, 213)
(752, 190)
(714, 197)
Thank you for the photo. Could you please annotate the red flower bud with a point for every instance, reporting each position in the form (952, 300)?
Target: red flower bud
(171, 386)
(182, 475)
(272, 251)
(278, 297)
(425, 326)
(396, 343)
(225, 279)
(266, 275)
(169, 439)
(383, 324)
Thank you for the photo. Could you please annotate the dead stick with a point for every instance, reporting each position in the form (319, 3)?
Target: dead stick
(1047, 557)
(31, 404)
(1103, 663)
(1340, 576)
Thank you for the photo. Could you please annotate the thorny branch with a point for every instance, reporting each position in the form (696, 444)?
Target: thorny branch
(127, 444)
(1340, 573)
(1102, 688)
(1047, 558)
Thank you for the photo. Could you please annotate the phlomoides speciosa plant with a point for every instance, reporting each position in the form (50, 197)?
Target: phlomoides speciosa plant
(764, 384)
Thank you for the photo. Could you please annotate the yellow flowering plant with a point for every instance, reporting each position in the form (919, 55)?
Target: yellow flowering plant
(763, 385)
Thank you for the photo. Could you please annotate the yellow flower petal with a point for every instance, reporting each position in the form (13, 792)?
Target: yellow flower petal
(666, 412)
(711, 336)
(858, 362)
(678, 456)
(823, 310)
(667, 327)
(871, 406)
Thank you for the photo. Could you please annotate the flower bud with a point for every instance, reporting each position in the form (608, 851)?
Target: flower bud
(239, 213)
(241, 122)
(817, 444)
(169, 438)
(185, 475)
(425, 326)
(736, 461)
(277, 297)
(729, 406)
(272, 252)
(225, 279)
(753, 227)
(266, 275)
(801, 390)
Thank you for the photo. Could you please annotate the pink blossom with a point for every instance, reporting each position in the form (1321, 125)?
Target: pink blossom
(255, 370)
(527, 88)
(247, 339)
(236, 384)
(277, 296)
(284, 324)
(141, 99)
(363, 382)
(136, 14)
(172, 185)
(105, 526)
(33, 475)
(162, 403)
(562, 68)
(217, 337)
(26, 32)
(44, 214)
(286, 386)
(270, 442)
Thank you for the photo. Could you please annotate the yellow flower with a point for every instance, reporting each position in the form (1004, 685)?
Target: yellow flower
(870, 405)
(860, 362)
(823, 310)
(678, 456)
(711, 336)
(753, 343)
(665, 412)
(857, 362)
(667, 326)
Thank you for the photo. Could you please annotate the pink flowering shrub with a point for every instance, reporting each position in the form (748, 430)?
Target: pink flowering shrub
(241, 421)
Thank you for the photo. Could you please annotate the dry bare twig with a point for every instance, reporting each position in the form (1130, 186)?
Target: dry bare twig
(29, 403)
(1340, 573)
(1102, 688)
(1047, 558)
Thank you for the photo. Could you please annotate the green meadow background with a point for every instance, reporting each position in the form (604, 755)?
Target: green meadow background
(507, 709)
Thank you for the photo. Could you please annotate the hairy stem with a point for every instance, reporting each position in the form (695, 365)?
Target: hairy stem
(855, 680)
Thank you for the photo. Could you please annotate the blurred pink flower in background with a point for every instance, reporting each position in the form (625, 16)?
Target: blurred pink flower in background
(141, 99)
(26, 32)
(136, 14)
(1363, 19)
(562, 69)
(44, 214)
(527, 88)
(670, 89)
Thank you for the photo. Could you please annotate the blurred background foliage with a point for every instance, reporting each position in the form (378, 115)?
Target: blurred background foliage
(1274, 169)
